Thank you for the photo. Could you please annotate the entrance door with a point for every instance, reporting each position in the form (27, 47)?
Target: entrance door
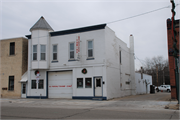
(98, 87)
(23, 93)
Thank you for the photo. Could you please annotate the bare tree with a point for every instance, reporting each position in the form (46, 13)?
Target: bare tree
(149, 67)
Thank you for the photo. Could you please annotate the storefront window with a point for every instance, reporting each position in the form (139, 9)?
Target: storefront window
(88, 83)
(41, 84)
(79, 82)
(33, 84)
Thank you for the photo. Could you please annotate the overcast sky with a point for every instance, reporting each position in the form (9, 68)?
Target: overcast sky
(149, 30)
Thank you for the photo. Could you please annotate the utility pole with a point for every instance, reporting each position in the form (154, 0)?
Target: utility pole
(157, 75)
(163, 77)
(176, 51)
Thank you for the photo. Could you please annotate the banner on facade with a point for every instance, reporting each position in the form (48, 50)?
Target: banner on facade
(78, 47)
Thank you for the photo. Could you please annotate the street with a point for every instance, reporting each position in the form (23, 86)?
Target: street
(150, 106)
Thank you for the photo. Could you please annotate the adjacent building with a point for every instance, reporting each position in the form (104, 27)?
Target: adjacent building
(170, 55)
(143, 82)
(83, 63)
(13, 64)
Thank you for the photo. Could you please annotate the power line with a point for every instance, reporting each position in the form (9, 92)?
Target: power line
(140, 14)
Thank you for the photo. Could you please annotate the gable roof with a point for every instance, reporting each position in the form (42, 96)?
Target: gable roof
(41, 24)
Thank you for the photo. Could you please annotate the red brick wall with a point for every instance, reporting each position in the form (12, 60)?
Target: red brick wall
(171, 57)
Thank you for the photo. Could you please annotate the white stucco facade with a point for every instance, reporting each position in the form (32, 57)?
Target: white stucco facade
(110, 71)
(143, 83)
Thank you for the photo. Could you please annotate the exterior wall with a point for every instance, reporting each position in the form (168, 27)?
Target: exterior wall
(171, 57)
(95, 67)
(143, 85)
(105, 64)
(117, 74)
(12, 65)
(40, 37)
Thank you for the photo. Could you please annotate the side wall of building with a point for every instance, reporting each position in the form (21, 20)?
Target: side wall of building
(12, 65)
(143, 85)
(170, 55)
(118, 73)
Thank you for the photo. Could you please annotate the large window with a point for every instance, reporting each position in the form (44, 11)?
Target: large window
(34, 52)
(79, 82)
(90, 48)
(12, 48)
(43, 52)
(54, 52)
(41, 84)
(11, 83)
(33, 84)
(88, 83)
(71, 54)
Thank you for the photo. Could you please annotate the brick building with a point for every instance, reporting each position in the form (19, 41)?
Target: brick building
(171, 57)
(13, 64)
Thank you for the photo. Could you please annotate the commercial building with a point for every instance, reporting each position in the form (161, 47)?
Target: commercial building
(13, 64)
(82, 63)
(170, 55)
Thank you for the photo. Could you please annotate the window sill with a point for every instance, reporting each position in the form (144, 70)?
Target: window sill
(90, 58)
(54, 61)
(10, 90)
(71, 60)
(12, 55)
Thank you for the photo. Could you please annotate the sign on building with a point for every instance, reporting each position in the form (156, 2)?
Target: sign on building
(78, 47)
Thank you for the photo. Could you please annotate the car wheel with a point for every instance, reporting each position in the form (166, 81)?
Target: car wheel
(168, 90)
(157, 90)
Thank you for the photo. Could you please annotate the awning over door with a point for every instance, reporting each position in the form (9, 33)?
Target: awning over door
(24, 77)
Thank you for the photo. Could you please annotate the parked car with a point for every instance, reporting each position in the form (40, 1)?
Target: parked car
(163, 88)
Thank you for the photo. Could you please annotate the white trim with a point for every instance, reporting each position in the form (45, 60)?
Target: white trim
(42, 52)
(53, 52)
(88, 49)
(33, 53)
(70, 51)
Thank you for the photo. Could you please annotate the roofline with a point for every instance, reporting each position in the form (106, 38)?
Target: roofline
(13, 38)
(76, 30)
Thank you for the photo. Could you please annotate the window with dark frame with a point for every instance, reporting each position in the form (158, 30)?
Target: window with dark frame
(33, 84)
(88, 83)
(34, 52)
(54, 52)
(79, 82)
(43, 52)
(71, 54)
(12, 48)
(11, 83)
(41, 84)
(90, 48)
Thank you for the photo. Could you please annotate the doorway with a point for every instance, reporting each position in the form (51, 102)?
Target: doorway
(98, 86)
(23, 90)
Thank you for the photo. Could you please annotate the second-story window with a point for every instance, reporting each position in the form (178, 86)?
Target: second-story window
(12, 48)
(54, 52)
(71, 54)
(43, 52)
(90, 49)
(34, 52)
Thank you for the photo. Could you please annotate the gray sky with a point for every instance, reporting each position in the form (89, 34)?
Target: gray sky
(149, 30)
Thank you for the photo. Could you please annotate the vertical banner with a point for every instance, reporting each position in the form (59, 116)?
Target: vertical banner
(78, 47)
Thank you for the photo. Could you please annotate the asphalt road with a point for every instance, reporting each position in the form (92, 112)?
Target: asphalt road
(132, 107)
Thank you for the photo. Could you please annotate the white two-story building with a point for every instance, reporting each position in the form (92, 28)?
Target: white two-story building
(82, 63)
